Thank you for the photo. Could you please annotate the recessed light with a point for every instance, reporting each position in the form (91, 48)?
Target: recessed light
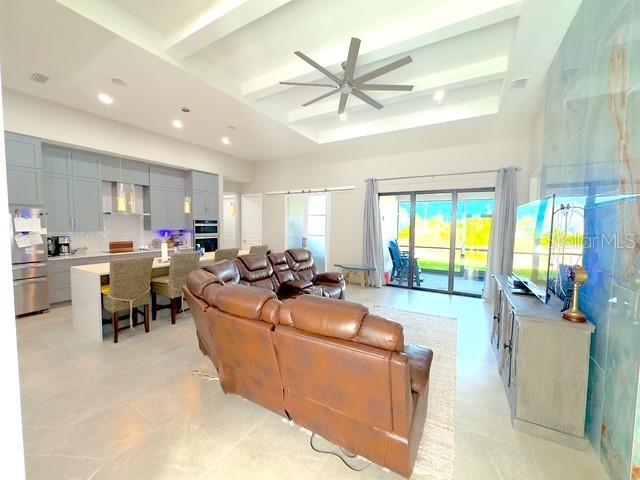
(343, 116)
(177, 123)
(106, 99)
(438, 96)
(226, 140)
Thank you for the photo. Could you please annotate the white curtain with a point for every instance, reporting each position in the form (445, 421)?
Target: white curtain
(372, 252)
(503, 230)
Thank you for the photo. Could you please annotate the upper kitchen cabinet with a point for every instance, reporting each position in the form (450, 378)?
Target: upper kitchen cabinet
(204, 182)
(56, 160)
(24, 169)
(87, 204)
(23, 151)
(115, 169)
(167, 177)
(58, 201)
(85, 164)
(204, 192)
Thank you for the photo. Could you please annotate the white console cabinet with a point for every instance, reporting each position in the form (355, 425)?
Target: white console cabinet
(544, 364)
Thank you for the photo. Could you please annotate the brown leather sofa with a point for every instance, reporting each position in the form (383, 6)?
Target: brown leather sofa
(302, 264)
(326, 364)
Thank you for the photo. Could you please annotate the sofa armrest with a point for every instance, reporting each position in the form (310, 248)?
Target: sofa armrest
(419, 366)
(330, 277)
(293, 287)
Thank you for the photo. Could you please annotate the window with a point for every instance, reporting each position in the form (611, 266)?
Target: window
(307, 225)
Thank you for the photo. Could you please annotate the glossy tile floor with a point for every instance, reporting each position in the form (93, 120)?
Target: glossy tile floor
(137, 410)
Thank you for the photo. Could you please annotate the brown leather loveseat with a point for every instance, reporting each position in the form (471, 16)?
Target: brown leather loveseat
(328, 365)
(303, 265)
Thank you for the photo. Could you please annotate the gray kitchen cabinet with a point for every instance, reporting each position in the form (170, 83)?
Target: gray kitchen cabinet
(56, 160)
(159, 207)
(178, 219)
(24, 185)
(157, 177)
(87, 204)
(205, 182)
(205, 205)
(85, 164)
(176, 179)
(129, 171)
(57, 200)
(23, 151)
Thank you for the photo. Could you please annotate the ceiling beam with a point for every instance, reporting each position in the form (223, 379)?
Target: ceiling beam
(474, 108)
(448, 24)
(217, 22)
(453, 78)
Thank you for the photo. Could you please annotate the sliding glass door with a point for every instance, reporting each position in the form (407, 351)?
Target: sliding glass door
(437, 241)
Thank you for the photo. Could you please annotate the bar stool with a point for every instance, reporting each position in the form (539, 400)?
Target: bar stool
(170, 286)
(226, 254)
(258, 249)
(128, 289)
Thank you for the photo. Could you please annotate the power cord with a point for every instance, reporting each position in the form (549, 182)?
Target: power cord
(348, 455)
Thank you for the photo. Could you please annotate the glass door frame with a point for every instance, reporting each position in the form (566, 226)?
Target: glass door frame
(452, 240)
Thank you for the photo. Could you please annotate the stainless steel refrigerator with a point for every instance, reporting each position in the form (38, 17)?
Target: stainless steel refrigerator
(29, 258)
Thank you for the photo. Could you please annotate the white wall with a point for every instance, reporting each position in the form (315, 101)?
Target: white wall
(11, 449)
(465, 146)
(61, 124)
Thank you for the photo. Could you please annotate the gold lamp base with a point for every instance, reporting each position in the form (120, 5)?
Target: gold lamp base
(573, 313)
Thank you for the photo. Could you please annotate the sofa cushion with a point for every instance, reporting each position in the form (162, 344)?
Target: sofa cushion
(323, 316)
(199, 279)
(419, 365)
(225, 270)
(243, 301)
(380, 332)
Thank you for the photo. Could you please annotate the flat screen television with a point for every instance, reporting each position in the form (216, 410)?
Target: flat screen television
(532, 248)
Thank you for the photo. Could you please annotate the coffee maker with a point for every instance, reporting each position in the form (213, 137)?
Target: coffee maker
(59, 245)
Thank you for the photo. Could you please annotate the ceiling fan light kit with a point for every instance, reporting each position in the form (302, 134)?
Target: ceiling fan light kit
(347, 85)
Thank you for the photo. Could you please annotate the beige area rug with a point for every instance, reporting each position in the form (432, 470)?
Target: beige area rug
(437, 453)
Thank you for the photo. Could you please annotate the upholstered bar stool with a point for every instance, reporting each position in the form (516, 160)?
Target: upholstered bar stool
(128, 289)
(258, 249)
(170, 286)
(226, 254)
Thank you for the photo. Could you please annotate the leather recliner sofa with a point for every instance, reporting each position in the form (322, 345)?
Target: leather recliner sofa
(273, 272)
(303, 266)
(305, 358)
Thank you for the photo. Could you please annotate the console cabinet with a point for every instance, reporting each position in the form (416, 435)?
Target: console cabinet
(543, 361)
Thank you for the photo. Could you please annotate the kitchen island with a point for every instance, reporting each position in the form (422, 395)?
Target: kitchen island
(86, 295)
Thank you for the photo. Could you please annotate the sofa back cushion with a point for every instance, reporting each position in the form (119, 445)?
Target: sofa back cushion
(343, 320)
(225, 270)
(256, 271)
(302, 263)
(281, 271)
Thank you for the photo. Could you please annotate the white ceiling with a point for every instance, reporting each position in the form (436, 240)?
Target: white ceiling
(224, 60)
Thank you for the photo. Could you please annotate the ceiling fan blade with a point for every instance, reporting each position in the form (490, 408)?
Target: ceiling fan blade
(379, 86)
(382, 70)
(309, 84)
(352, 58)
(343, 103)
(318, 67)
(366, 98)
(324, 95)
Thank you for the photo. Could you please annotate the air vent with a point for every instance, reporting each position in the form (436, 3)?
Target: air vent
(40, 77)
(519, 84)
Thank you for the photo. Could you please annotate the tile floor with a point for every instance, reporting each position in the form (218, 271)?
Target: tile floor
(136, 410)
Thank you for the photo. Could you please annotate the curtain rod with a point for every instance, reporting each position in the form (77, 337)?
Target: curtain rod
(441, 175)
(313, 190)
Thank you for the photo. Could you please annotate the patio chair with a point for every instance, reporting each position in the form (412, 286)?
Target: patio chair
(400, 261)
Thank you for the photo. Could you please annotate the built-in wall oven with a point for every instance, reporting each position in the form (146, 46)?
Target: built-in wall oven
(205, 235)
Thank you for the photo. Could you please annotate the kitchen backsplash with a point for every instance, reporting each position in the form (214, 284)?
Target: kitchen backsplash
(115, 227)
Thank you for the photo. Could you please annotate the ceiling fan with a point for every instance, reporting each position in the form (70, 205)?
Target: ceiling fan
(346, 84)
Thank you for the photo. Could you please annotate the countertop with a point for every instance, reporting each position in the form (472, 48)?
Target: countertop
(98, 254)
(104, 268)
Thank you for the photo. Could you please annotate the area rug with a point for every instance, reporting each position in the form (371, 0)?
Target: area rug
(436, 456)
